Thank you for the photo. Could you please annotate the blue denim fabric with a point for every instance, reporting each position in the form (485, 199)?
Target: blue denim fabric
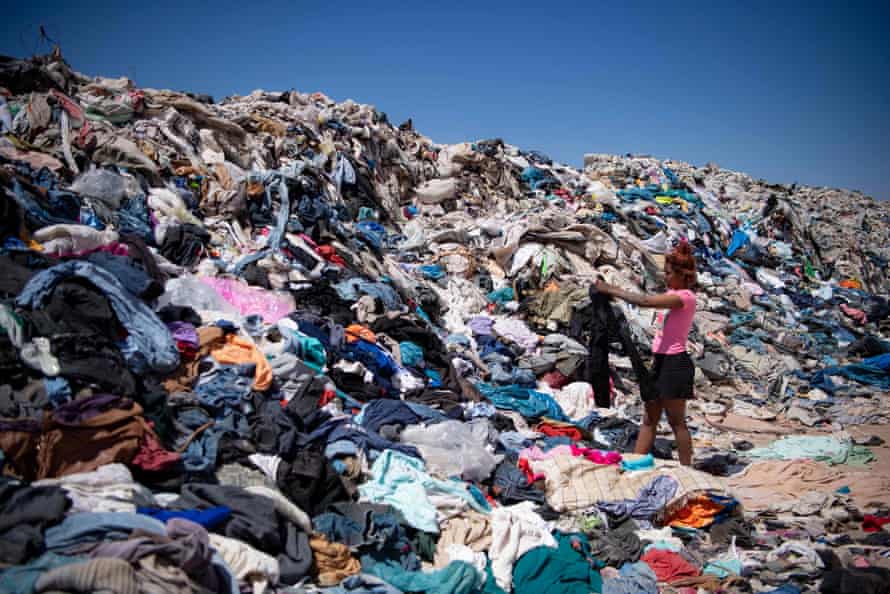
(199, 458)
(240, 265)
(133, 218)
(345, 429)
(276, 182)
(149, 345)
(58, 390)
(133, 278)
(62, 208)
(514, 485)
(354, 288)
(396, 412)
(337, 528)
(342, 447)
(223, 390)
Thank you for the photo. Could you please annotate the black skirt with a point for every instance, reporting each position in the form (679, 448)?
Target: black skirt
(674, 376)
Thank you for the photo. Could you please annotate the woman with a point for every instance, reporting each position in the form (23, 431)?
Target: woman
(673, 370)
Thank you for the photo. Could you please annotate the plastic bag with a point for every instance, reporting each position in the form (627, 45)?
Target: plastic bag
(252, 300)
(452, 448)
(190, 291)
(102, 184)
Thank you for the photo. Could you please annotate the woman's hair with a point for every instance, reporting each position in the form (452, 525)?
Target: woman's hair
(682, 263)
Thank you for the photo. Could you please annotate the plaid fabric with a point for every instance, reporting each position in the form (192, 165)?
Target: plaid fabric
(574, 483)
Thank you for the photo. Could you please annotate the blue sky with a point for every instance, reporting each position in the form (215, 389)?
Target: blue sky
(796, 91)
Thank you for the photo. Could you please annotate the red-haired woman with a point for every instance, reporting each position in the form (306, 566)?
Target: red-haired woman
(673, 370)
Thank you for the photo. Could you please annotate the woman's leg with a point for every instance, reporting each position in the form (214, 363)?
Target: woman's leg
(676, 413)
(646, 436)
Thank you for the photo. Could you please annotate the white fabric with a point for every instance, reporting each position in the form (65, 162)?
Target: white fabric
(168, 204)
(109, 488)
(576, 399)
(248, 564)
(67, 239)
(436, 190)
(517, 331)
(515, 530)
(267, 463)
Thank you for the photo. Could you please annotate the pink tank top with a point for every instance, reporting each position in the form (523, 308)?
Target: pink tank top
(673, 325)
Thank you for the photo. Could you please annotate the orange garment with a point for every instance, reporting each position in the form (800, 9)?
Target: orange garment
(354, 332)
(850, 283)
(333, 561)
(237, 350)
(698, 512)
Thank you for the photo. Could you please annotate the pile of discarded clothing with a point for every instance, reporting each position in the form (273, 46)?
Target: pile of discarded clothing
(277, 343)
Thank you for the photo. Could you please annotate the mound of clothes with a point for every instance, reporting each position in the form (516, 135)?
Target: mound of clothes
(275, 343)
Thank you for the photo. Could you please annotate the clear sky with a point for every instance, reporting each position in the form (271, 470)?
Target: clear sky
(787, 91)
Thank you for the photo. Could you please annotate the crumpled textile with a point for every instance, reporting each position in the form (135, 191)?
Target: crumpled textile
(458, 577)
(148, 346)
(815, 447)
(237, 350)
(402, 482)
(26, 512)
(575, 399)
(617, 544)
(668, 566)
(470, 529)
(515, 530)
(634, 578)
(247, 564)
(697, 512)
(332, 560)
(566, 569)
(650, 500)
(110, 487)
(96, 575)
(769, 482)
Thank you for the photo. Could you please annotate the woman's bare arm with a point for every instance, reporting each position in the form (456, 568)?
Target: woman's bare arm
(662, 301)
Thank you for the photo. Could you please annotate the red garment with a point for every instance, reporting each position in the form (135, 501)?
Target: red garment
(525, 467)
(872, 523)
(572, 433)
(152, 456)
(186, 349)
(668, 565)
(326, 398)
(330, 254)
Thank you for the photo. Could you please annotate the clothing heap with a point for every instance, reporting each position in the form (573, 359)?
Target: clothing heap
(276, 344)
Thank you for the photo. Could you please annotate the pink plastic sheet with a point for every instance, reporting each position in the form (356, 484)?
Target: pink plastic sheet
(251, 300)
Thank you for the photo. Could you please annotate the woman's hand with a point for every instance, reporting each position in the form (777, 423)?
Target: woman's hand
(603, 287)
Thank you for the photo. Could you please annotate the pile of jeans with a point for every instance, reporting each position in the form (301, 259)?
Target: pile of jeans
(277, 343)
